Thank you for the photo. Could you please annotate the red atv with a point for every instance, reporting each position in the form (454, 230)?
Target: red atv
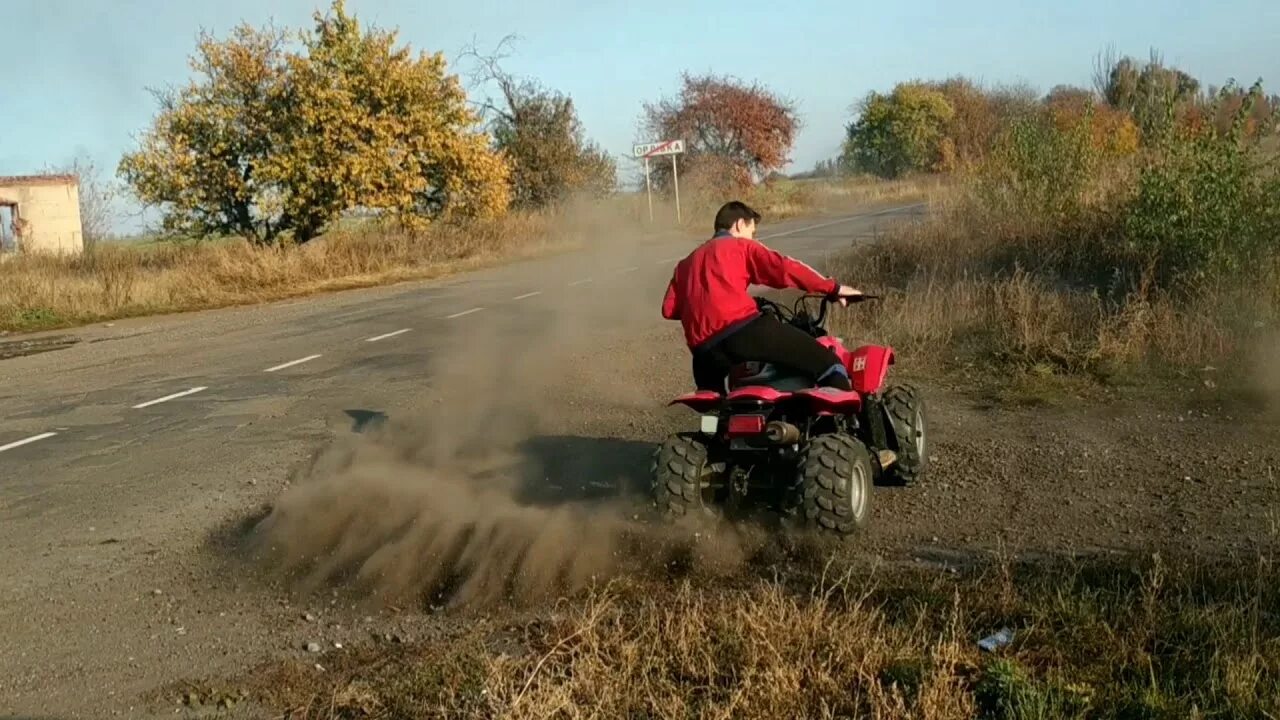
(813, 452)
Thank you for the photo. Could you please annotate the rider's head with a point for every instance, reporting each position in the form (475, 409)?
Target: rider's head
(737, 219)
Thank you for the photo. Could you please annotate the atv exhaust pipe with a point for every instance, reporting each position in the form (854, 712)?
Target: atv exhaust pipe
(782, 433)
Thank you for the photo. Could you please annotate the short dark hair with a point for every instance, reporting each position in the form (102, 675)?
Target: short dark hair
(731, 212)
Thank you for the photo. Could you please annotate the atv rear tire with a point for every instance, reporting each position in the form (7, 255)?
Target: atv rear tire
(682, 477)
(835, 483)
(904, 410)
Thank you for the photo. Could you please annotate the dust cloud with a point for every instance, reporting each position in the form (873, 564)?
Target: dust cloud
(515, 482)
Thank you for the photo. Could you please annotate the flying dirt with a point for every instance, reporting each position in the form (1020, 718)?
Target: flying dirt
(472, 501)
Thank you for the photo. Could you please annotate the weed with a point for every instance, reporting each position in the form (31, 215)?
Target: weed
(1094, 637)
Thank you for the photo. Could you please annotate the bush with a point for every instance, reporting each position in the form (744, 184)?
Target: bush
(1039, 170)
(1206, 210)
(1073, 250)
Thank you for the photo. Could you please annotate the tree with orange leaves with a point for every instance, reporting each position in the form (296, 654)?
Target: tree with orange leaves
(745, 126)
(1111, 131)
(281, 133)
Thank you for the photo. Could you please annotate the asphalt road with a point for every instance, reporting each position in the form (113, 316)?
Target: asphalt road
(123, 389)
(129, 444)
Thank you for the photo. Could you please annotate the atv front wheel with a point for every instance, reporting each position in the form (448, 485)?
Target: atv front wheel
(835, 482)
(682, 477)
(905, 411)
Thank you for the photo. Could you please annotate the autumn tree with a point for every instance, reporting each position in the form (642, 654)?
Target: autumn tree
(743, 128)
(1111, 131)
(1151, 92)
(900, 132)
(272, 140)
(977, 116)
(538, 131)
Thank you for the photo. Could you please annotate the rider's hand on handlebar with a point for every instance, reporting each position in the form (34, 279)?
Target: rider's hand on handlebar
(845, 293)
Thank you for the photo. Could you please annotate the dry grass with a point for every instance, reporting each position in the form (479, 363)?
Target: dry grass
(785, 199)
(1092, 639)
(965, 286)
(115, 281)
(790, 198)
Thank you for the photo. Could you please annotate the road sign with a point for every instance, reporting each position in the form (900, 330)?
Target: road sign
(654, 149)
(666, 147)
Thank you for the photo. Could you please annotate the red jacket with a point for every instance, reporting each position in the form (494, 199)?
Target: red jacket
(708, 290)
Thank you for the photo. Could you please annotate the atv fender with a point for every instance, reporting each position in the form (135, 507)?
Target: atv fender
(835, 345)
(829, 401)
(758, 394)
(869, 366)
(700, 401)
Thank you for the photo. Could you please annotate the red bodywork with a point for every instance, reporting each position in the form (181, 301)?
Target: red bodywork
(837, 347)
(868, 367)
(834, 402)
(700, 401)
(758, 393)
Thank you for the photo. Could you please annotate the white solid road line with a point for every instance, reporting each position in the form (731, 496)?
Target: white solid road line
(28, 441)
(291, 363)
(580, 282)
(384, 336)
(464, 312)
(527, 295)
(167, 398)
(624, 271)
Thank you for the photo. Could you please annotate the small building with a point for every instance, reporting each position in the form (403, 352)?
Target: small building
(40, 213)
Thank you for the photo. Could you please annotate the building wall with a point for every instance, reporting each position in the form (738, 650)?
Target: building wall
(52, 213)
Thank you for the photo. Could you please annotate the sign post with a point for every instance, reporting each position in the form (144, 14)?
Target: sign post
(648, 150)
(675, 179)
(648, 188)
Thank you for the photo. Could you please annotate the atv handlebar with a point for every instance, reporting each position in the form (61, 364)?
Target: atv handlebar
(829, 300)
(800, 318)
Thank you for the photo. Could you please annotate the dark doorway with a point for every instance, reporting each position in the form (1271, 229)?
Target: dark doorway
(8, 227)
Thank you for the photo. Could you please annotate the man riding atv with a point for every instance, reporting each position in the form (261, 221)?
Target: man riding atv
(723, 325)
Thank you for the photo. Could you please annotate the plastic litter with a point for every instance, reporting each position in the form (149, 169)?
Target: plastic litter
(995, 641)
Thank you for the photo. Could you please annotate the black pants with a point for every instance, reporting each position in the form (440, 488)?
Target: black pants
(767, 339)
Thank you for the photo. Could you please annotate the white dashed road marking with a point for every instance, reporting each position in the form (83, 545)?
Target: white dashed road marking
(167, 398)
(384, 336)
(807, 252)
(291, 363)
(28, 441)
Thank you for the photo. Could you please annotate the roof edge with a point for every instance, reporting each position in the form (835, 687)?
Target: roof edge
(10, 180)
